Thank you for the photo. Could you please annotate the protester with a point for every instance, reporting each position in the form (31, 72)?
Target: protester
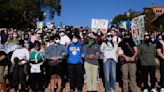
(160, 52)
(147, 54)
(36, 69)
(75, 67)
(4, 37)
(91, 63)
(55, 53)
(19, 69)
(3, 63)
(64, 39)
(33, 37)
(128, 66)
(115, 38)
(109, 49)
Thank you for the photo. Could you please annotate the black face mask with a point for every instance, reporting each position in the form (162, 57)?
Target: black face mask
(126, 39)
(147, 41)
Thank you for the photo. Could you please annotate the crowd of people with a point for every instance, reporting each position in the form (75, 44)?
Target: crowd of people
(48, 58)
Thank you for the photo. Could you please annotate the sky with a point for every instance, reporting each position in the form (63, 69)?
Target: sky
(80, 12)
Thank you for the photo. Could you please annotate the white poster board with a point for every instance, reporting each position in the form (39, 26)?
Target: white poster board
(138, 28)
(101, 24)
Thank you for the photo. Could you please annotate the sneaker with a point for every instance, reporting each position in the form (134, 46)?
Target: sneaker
(154, 90)
(162, 90)
(145, 90)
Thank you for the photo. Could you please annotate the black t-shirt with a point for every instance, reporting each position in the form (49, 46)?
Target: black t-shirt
(159, 46)
(127, 51)
(5, 60)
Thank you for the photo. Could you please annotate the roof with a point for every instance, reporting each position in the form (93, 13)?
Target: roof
(157, 18)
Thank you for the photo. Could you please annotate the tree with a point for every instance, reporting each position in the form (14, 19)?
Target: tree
(124, 16)
(149, 16)
(23, 13)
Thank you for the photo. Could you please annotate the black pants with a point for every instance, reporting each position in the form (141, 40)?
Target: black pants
(36, 82)
(146, 70)
(75, 73)
(18, 76)
(162, 73)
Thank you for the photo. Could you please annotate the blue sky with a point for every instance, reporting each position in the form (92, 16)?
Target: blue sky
(80, 12)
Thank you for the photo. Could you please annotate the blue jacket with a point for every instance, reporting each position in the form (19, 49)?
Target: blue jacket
(53, 50)
(74, 52)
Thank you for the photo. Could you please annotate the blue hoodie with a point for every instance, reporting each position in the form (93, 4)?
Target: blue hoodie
(74, 51)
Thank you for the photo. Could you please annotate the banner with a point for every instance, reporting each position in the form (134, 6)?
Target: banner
(138, 28)
(125, 24)
(40, 24)
(101, 24)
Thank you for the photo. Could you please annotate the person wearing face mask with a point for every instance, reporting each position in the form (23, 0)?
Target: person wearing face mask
(55, 53)
(64, 39)
(115, 38)
(128, 68)
(75, 70)
(19, 60)
(91, 62)
(160, 53)
(109, 49)
(36, 73)
(147, 54)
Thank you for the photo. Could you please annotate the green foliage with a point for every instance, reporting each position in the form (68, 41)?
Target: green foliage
(149, 16)
(124, 16)
(24, 13)
(160, 29)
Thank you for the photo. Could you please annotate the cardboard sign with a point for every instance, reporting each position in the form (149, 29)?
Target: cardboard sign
(101, 24)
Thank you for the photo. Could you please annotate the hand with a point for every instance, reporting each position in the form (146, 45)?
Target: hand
(82, 55)
(132, 59)
(91, 56)
(55, 58)
(127, 58)
(63, 54)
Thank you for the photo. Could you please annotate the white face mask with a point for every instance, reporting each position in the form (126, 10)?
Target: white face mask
(99, 33)
(62, 34)
(14, 35)
(75, 40)
(57, 41)
(109, 38)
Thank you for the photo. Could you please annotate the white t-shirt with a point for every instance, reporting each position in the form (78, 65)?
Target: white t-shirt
(22, 53)
(109, 51)
(64, 39)
(116, 40)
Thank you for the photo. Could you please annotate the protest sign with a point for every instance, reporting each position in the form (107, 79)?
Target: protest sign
(40, 24)
(101, 24)
(138, 28)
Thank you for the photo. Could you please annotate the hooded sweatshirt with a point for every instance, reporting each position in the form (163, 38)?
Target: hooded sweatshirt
(74, 52)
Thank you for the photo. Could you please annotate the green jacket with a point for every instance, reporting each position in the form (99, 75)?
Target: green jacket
(36, 57)
(147, 54)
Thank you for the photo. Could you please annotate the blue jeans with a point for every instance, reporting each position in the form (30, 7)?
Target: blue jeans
(110, 75)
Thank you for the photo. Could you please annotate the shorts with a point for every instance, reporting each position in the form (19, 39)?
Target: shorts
(55, 69)
(2, 73)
